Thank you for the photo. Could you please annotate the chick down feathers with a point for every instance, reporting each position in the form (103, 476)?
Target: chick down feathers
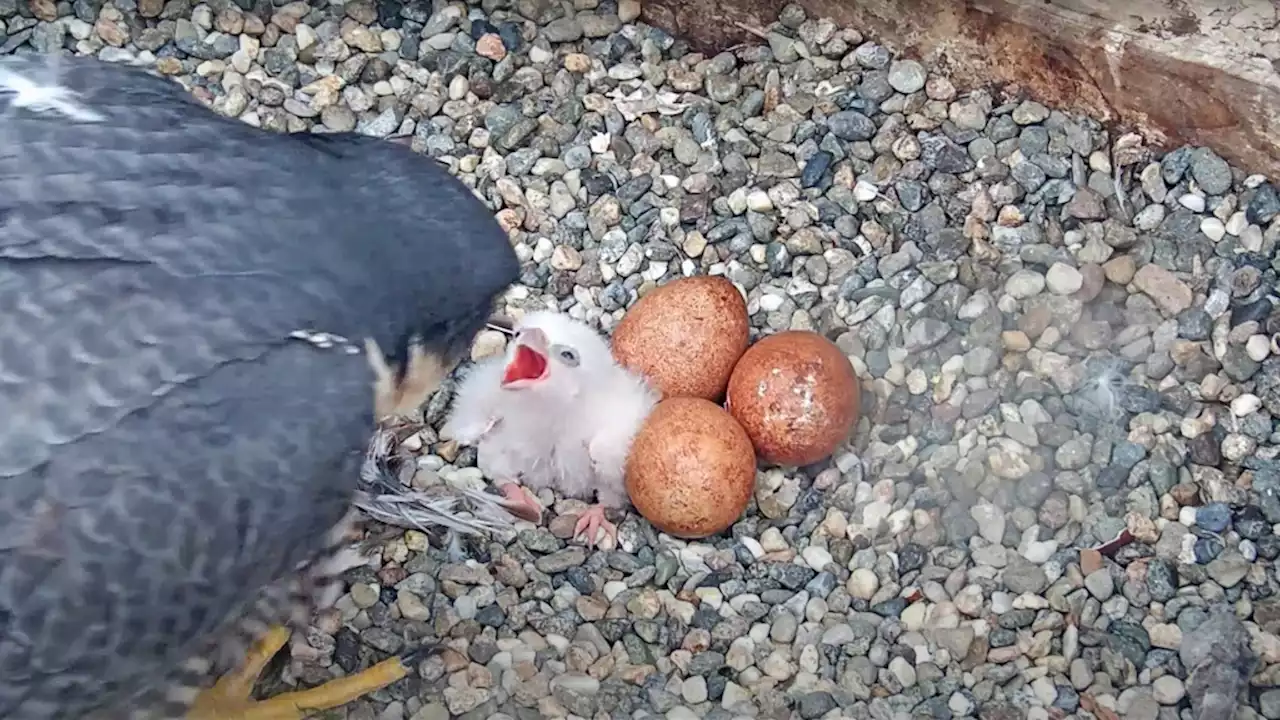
(571, 431)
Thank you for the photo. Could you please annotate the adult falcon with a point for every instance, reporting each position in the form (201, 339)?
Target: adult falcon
(189, 310)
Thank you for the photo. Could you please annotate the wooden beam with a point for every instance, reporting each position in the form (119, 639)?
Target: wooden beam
(1140, 63)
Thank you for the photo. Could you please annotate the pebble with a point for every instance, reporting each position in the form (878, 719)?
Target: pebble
(902, 671)
(1042, 367)
(1100, 584)
(1168, 690)
(1168, 292)
(490, 46)
(863, 584)
(1025, 284)
(1062, 279)
(907, 76)
(816, 557)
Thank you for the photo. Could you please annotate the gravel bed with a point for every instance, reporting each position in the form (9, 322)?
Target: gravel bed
(1070, 354)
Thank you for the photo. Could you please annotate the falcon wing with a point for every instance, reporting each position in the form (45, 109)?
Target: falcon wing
(168, 445)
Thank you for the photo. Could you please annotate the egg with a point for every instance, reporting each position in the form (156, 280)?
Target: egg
(685, 336)
(796, 395)
(691, 470)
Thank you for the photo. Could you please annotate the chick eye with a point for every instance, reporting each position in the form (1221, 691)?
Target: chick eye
(567, 355)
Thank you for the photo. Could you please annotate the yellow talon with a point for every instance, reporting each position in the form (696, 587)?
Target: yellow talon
(229, 699)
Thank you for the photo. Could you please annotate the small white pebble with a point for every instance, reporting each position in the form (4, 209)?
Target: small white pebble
(613, 589)
(1245, 405)
(917, 381)
(1187, 515)
(815, 610)
(770, 302)
(1192, 202)
(960, 704)
(1237, 447)
(1099, 161)
(1062, 279)
(1248, 550)
(1237, 223)
(875, 513)
(538, 56)
(862, 584)
(1001, 602)
(899, 521)
(693, 690)
(771, 540)
(1030, 601)
(559, 642)
(753, 546)
(1251, 238)
(681, 712)
(1165, 635)
(913, 617)
(1168, 690)
(1257, 347)
(816, 557)
(1187, 554)
(903, 671)
(835, 524)
(847, 461)
(758, 201)
(1045, 691)
(465, 606)
(1213, 228)
(712, 597)
(1039, 551)
(1193, 428)
(458, 87)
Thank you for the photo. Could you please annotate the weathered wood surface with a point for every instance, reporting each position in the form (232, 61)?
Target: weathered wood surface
(1139, 63)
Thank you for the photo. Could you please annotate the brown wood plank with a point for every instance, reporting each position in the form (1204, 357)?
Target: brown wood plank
(1139, 63)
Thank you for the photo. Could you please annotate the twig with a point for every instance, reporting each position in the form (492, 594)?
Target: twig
(753, 30)
(1119, 188)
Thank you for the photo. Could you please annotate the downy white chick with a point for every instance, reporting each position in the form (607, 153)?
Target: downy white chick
(554, 411)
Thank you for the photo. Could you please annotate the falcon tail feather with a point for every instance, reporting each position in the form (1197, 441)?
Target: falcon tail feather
(385, 498)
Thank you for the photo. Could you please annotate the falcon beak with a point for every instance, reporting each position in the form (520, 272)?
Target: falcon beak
(400, 392)
(528, 361)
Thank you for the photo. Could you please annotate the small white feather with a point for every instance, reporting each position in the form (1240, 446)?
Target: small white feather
(27, 93)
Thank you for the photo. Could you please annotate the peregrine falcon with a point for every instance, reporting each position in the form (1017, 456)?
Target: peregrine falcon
(189, 310)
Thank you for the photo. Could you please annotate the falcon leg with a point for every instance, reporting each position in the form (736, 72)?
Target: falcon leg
(521, 502)
(232, 690)
(594, 527)
(229, 698)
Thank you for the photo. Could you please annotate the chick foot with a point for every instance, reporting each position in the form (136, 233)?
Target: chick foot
(594, 527)
(521, 502)
(229, 698)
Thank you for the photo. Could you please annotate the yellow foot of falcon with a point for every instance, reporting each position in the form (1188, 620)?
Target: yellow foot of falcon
(229, 698)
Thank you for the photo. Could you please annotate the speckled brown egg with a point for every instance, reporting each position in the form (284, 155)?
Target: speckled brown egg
(691, 470)
(796, 395)
(685, 336)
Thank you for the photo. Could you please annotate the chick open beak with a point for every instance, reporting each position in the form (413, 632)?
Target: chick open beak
(528, 363)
